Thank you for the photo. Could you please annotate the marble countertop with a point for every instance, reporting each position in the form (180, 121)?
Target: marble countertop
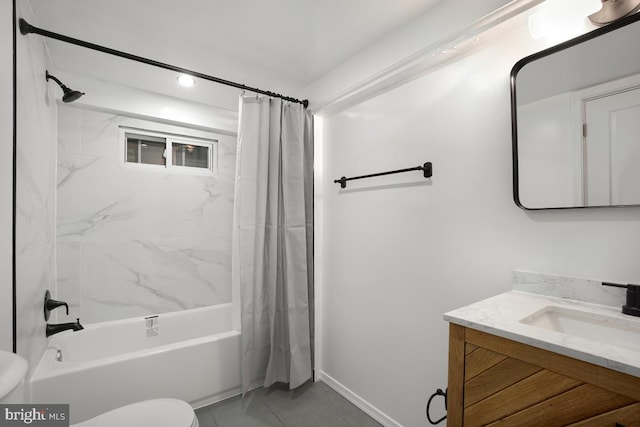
(501, 315)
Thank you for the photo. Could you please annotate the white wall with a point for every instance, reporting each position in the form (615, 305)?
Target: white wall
(35, 192)
(399, 251)
(6, 174)
(446, 17)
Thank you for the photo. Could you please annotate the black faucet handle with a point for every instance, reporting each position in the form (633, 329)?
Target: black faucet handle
(51, 304)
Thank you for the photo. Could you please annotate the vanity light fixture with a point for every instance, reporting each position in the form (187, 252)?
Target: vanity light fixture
(560, 20)
(186, 80)
(612, 10)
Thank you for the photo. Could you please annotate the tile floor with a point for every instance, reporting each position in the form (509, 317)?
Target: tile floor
(312, 405)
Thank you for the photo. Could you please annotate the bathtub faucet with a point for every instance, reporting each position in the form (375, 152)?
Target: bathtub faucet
(59, 327)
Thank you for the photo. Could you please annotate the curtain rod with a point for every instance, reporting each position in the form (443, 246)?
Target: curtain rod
(26, 28)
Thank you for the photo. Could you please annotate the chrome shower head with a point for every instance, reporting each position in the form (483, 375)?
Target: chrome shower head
(69, 94)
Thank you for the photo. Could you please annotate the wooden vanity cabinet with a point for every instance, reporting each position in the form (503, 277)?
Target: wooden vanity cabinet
(494, 381)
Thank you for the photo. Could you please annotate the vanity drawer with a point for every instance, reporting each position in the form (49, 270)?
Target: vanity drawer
(498, 382)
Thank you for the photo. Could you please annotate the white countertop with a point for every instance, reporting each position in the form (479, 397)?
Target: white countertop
(501, 315)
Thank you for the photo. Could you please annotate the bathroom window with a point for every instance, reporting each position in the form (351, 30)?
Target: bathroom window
(190, 155)
(146, 149)
(176, 153)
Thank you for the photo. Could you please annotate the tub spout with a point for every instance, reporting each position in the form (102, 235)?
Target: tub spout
(55, 328)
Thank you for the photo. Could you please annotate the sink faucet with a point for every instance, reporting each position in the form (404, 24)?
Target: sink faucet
(632, 307)
(55, 328)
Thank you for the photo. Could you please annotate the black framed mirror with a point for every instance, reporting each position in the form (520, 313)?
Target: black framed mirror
(575, 115)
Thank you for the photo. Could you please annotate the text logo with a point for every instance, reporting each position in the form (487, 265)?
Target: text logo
(34, 415)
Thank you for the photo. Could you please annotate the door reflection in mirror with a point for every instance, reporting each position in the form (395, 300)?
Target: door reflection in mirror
(561, 158)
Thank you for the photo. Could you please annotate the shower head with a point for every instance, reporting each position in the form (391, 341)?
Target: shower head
(69, 94)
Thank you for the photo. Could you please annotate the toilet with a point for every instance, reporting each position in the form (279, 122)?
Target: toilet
(148, 413)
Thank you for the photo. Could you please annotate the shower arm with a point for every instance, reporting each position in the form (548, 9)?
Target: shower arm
(55, 79)
(26, 28)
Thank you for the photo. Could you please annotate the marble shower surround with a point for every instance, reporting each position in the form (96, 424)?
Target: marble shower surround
(133, 242)
(35, 190)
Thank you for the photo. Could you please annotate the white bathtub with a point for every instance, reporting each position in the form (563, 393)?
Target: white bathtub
(193, 355)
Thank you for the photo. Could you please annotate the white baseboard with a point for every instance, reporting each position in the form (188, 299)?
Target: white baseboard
(371, 410)
(226, 394)
(215, 398)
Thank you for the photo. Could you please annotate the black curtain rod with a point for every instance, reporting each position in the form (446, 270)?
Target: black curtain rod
(26, 28)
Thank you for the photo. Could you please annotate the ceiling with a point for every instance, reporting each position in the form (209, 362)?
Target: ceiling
(277, 45)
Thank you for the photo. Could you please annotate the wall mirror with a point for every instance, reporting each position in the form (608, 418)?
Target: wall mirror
(576, 121)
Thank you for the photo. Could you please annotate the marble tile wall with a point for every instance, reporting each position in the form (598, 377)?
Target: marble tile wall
(133, 242)
(35, 190)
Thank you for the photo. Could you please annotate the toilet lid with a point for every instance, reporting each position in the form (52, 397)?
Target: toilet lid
(148, 413)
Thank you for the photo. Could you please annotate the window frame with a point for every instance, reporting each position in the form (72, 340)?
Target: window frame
(169, 140)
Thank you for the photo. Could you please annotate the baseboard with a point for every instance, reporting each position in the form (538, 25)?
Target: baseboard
(215, 398)
(224, 395)
(371, 410)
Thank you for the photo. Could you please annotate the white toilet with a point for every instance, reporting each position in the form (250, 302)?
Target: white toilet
(148, 413)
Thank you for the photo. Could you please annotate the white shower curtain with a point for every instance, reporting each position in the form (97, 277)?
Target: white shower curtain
(273, 241)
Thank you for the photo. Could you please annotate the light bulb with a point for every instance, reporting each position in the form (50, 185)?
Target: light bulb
(186, 80)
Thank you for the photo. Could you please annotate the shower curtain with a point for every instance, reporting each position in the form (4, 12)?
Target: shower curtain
(273, 241)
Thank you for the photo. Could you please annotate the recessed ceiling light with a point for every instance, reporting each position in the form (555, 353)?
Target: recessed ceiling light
(186, 80)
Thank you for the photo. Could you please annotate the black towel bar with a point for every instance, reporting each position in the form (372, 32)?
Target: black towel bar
(426, 168)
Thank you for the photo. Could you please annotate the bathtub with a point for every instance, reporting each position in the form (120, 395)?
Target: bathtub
(193, 355)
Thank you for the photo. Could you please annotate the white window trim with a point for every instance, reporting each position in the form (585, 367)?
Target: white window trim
(170, 139)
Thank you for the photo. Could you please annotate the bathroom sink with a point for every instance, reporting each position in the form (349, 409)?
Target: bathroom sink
(595, 327)
(12, 370)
